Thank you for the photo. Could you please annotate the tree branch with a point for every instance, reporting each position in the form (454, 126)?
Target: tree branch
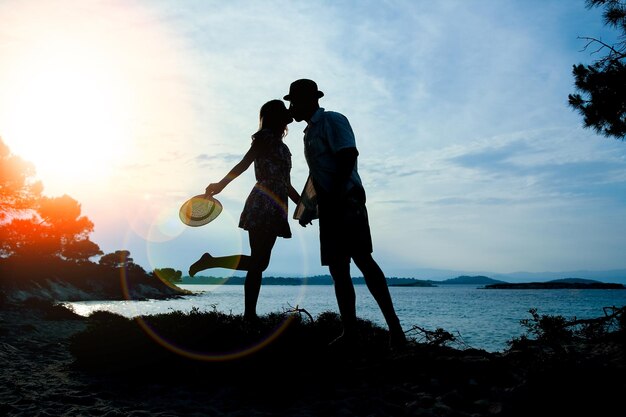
(613, 51)
(298, 310)
(599, 320)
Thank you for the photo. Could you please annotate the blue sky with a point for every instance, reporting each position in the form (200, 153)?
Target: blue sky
(470, 156)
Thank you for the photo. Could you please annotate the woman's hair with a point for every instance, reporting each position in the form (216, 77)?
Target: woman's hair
(274, 116)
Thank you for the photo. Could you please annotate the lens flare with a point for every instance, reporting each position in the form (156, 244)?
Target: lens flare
(155, 247)
(165, 226)
(154, 233)
(197, 355)
(154, 221)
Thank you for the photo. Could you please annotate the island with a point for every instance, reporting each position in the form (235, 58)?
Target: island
(314, 280)
(471, 280)
(460, 280)
(558, 284)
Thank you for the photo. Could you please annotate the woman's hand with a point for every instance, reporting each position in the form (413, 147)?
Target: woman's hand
(306, 217)
(214, 188)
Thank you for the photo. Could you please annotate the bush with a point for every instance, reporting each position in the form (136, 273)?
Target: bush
(557, 331)
(224, 346)
(52, 310)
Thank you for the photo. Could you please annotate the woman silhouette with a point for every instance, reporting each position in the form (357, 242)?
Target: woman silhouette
(264, 215)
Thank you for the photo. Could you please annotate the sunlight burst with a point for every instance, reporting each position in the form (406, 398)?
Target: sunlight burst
(69, 114)
(91, 92)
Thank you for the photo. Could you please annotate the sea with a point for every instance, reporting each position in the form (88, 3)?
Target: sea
(478, 317)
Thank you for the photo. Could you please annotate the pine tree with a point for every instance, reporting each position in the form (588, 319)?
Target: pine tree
(601, 99)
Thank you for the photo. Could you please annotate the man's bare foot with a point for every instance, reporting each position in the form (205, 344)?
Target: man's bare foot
(252, 319)
(397, 340)
(204, 262)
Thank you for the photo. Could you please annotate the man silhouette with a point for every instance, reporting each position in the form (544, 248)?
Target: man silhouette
(331, 154)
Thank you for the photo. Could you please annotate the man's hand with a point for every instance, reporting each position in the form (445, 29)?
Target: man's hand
(306, 217)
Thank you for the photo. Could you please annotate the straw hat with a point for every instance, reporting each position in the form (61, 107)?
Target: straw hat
(199, 210)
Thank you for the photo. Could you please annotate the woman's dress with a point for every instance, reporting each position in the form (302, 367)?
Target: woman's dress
(265, 209)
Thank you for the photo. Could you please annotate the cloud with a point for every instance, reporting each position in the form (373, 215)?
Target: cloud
(467, 147)
(460, 201)
(205, 159)
(550, 169)
(490, 158)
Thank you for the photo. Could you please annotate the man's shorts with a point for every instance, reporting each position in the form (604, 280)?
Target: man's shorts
(344, 227)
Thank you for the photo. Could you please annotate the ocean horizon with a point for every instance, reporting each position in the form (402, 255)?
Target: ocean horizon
(441, 275)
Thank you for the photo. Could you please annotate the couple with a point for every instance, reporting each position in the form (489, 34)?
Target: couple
(331, 154)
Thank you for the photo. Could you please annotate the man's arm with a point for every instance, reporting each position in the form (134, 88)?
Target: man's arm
(343, 145)
(346, 159)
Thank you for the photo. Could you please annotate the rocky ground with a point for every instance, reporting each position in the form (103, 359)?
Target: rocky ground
(41, 376)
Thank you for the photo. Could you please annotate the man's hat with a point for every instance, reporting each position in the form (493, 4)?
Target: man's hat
(303, 88)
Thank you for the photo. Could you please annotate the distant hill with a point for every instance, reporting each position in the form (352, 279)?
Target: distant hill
(403, 282)
(315, 280)
(407, 282)
(558, 284)
(438, 275)
(575, 281)
(236, 280)
(470, 280)
(615, 275)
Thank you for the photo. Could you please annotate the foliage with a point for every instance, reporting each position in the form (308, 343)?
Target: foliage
(551, 329)
(45, 246)
(601, 97)
(33, 225)
(170, 275)
(556, 331)
(53, 278)
(51, 310)
(437, 337)
(56, 228)
(115, 344)
(18, 190)
(117, 259)
(297, 373)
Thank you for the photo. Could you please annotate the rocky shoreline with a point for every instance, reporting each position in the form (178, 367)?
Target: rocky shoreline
(44, 374)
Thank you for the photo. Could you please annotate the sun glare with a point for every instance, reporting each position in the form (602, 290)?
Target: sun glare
(89, 89)
(69, 112)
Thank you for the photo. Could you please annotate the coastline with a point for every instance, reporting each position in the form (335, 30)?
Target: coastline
(555, 286)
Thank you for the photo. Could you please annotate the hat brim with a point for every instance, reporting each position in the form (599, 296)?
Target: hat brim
(289, 97)
(199, 210)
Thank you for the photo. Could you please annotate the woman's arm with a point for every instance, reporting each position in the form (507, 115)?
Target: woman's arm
(242, 166)
(293, 194)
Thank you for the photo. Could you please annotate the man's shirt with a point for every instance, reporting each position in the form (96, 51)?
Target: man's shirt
(327, 133)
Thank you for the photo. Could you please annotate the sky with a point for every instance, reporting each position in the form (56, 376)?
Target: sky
(471, 158)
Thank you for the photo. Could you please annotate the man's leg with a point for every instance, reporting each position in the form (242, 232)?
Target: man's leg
(377, 285)
(346, 297)
(334, 253)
